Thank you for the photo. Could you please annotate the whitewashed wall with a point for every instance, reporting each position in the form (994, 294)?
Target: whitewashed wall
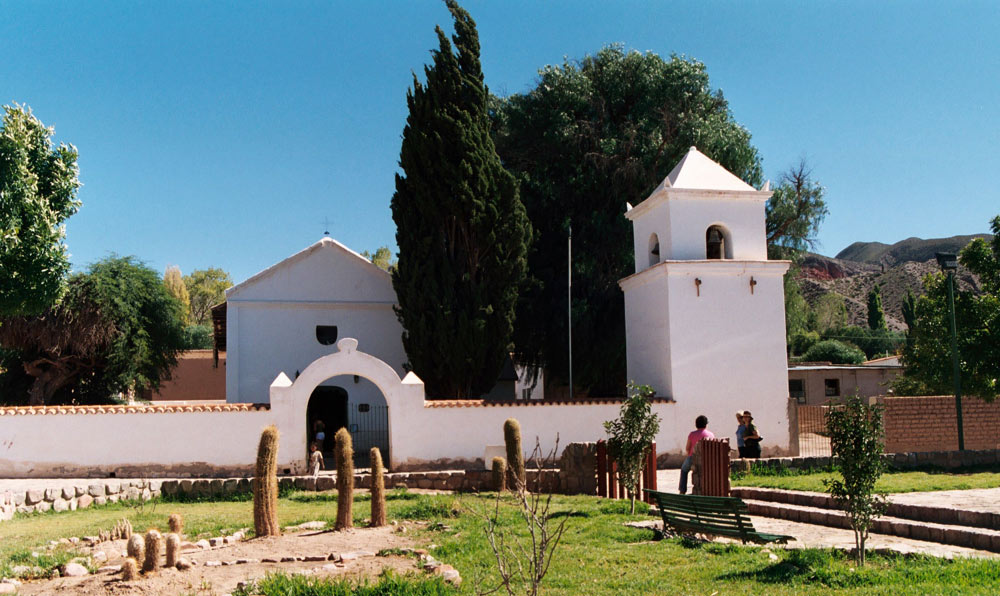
(129, 441)
(272, 319)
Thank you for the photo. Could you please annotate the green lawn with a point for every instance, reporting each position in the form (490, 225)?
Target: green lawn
(892, 482)
(599, 555)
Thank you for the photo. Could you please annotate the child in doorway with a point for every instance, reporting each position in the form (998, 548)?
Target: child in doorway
(315, 459)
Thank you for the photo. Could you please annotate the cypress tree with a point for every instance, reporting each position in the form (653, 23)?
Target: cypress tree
(462, 231)
(876, 316)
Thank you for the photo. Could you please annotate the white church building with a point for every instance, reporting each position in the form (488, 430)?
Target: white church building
(315, 337)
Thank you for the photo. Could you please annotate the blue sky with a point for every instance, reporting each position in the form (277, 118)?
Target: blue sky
(223, 133)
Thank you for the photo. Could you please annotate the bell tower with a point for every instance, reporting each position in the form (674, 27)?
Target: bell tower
(704, 310)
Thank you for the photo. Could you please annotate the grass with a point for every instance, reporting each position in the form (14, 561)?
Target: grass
(280, 584)
(891, 482)
(599, 555)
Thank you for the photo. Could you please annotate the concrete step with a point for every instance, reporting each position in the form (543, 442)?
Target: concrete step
(965, 536)
(923, 513)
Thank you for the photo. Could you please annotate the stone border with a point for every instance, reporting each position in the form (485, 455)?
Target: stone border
(75, 496)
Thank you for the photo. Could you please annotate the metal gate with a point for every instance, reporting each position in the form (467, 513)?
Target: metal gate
(369, 427)
(814, 440)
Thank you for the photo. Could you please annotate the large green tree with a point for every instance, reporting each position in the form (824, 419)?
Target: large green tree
(928, 358)
(206, 288)
(461, 229)
(116, 330)
(38, 184)
(590, 136)
(876, 314)
(794, 213)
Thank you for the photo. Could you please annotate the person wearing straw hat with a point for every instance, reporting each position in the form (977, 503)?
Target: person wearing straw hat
(751, 437)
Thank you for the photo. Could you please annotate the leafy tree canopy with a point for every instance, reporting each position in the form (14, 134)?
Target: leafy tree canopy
(631, 434)
(460, 227)
(38, 184)
(206, 288)
(591, 135)
(928, 357)
(876, 315)
(381, 258)
(794, 213)
(835, 352)
(174, 283)
(117, 330)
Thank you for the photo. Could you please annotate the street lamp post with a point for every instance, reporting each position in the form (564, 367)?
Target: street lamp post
(949, 264)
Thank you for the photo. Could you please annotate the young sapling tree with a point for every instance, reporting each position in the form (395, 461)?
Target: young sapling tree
(630, 436)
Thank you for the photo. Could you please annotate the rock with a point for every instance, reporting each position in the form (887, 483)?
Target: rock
(227, 563)
(68, 492)
(287, 559)
(75, 570)
(449, 574)
(332, 567)
(334, 557)
(51, 494)
(364, 553)
(345, 557)
(203, 544)
(34, 496)
(43, 506)
(95, 490)
(109, 569)
(772, 557)
(8, 589)
(219, 541)
(84, 501)
(247, 561)
(189, 546)
(100, 556)
(314, 558)
(270, 560)
(100, 501)
(311, 525)
(10, 580)
(183, 564)
(60, 505)
(213, 563)
(113, 488)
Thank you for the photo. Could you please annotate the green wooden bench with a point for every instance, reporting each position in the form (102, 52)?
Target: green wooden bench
(716, 516)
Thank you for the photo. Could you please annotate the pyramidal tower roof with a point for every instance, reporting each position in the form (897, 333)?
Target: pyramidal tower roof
(697, 171)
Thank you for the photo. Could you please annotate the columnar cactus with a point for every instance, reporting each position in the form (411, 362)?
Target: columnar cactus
(515, 455)
(176, 523)
(154, 544)
(265, 485)
(378, 489)
(136, 547)
(173, 549)
(130, 569)
(344, 454)
(499, 474)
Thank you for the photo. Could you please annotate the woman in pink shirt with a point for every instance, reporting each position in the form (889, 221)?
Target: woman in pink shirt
(701, 432)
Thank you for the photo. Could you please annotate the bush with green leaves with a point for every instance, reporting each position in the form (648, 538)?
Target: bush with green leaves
(630, 435)
(198, 337)
(873, 342)
(835, 352)
(856, 435)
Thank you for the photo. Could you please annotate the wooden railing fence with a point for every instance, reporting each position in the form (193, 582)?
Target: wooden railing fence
(610, 486)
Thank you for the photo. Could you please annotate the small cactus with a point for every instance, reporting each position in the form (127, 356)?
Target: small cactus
(176, 523)
(154, 542)
(265, 485)
(378, 489)
(344, 454)
(130, 570)
(173, 549)
(499, 474)
(136, 547)
(515, 455)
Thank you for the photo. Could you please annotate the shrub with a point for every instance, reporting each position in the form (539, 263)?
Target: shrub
(835, 352)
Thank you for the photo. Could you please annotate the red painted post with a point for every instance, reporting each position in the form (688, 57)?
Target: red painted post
(602, 469)
(613, 479)
(651, 467)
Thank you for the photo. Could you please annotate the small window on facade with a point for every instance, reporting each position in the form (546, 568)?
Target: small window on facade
(715, 243)
(797, 389)
(832, 387)
(326, 334)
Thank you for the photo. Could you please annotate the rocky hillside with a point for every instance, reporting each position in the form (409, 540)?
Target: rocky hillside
(897, 268)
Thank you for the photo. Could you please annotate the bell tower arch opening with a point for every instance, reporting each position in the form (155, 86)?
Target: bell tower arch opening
(718, 243)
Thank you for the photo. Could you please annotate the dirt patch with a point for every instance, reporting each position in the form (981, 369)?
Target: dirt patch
(218, 570)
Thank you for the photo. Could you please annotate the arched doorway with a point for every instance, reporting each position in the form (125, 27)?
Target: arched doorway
(354, 403)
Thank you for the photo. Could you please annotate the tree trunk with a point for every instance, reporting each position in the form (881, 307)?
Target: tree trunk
(49, 377)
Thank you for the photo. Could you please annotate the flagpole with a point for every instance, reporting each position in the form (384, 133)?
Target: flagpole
(569, 306)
